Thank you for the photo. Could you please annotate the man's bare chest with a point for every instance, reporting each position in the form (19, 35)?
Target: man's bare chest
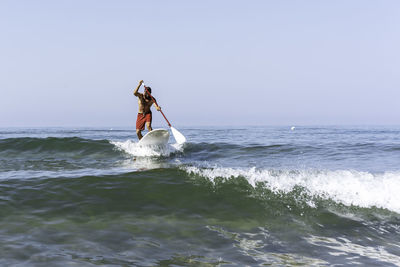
(145, 103)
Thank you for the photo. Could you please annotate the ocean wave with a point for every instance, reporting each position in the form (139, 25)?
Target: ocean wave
(54, 144)
(336, 146)
(348, 187)
(275, 148)
(26, 155)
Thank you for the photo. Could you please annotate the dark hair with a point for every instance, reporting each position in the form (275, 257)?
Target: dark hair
(148, 89)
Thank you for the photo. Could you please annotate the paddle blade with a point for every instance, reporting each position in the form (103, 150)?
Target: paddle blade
(179, 138)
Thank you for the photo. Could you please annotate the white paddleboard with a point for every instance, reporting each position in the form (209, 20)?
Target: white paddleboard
(157, 137)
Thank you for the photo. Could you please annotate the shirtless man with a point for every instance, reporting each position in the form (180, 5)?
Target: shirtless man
(144, 114)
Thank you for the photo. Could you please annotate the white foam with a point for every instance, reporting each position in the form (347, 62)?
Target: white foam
(136, 150)
(348, 187)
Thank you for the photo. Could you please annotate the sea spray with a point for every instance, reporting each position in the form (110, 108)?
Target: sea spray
(132, 148)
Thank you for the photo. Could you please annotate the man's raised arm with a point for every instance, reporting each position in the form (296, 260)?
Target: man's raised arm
(136, 93)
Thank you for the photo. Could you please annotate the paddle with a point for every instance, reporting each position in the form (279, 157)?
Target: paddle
(179, 138)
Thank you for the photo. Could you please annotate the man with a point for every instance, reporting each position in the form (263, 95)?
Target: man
(144, 115)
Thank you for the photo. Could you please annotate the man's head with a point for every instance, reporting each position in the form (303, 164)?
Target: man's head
(147, 89)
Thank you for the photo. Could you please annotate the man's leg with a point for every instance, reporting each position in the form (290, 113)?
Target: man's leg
(139, 133)
(149, 118)
(140, 122)
(148, 124)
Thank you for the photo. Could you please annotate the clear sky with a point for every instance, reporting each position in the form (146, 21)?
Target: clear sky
(76, 62)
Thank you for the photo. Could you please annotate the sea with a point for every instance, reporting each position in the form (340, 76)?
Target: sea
(229, 196)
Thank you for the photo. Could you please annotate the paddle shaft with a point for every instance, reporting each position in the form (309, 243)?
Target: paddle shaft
(169, 124)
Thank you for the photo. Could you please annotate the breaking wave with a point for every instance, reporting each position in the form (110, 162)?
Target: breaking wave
(348, 187)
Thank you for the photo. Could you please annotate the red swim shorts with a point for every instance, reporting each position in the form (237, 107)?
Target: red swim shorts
(142, 119)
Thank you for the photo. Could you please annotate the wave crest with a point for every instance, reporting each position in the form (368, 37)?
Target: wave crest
(54, 144)
(348, 187)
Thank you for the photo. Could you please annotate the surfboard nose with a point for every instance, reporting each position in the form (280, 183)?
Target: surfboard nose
(157, 137)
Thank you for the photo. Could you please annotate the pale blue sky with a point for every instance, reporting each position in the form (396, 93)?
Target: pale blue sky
(75, 62)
